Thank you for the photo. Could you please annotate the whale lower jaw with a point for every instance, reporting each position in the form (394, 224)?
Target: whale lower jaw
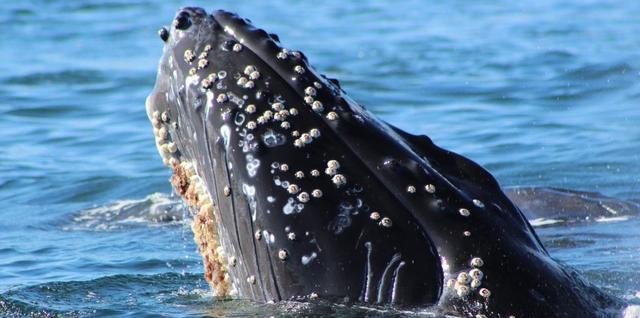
(205, 232)
(189, 185)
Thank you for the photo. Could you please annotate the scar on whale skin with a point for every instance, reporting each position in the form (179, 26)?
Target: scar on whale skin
(299, 192)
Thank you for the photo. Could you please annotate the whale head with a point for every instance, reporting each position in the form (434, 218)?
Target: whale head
(299, 192)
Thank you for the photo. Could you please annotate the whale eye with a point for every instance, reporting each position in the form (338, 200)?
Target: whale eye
(182, 21)
(164, 34)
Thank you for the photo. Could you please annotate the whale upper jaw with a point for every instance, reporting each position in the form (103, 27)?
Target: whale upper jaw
(300, 192)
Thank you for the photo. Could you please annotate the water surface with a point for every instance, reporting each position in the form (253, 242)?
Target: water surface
(542, 93)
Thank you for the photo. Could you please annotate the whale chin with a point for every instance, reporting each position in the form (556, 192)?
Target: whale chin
(299, 192)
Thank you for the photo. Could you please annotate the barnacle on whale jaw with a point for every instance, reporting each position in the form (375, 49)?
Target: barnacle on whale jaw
(190, 187)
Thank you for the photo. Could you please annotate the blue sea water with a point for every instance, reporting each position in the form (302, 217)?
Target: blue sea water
(541, 93)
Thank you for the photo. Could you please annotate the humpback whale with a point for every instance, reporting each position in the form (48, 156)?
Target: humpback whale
(299, 192)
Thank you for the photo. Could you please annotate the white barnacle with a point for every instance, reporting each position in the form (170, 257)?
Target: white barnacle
(386, 222)
(203, 55)
(315, 173)
(233, 261)
(212, 77)
(282, 55)
(192, 71)
(317, 193)
(308, 99)
(156, 123)
(463, 278)
(249, 84)
(207, 48)
(267, 114)
(284, 113)
(278, 117)
(484, 292)
(261, 120)
(314, 132)
(250, 109)
(258, 235)
(477, 262)
(291, 236)
(339, 180)
(317, 85)
(295, 133)
(430, 188)
(476, 273)
(251, 279)
(310, 91)
(251, 125)
(293, 111)
(285, 125)
(462, 290)
(284, 167)
(466, 233)
(303, 197)
(254, 75)
(206, 83)
(374, 216)
(317, 106)
(237, 47)
(221, 98)
(171, 147)
(306, 138)
(165, 117)
(299, 174)
(330, 171)
(277, 106)
(202, 63)
(298, 143)
(249, 69)
(333, 164)
(189, 56)
(299, 69)
(411, 189)
(162, 133)
(226, 191)
(293, 189)
(332, 116)
(478, 203)
(464, 212)
(242, 81)
(475, 283)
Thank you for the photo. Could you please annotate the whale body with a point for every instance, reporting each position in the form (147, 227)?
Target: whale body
(299, 192)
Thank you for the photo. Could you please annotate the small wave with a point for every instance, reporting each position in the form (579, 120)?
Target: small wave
(108, 296)
(59, 77)
(542, 222)
(11, 308)
(157, 209)
(612, 219)
(632, 311)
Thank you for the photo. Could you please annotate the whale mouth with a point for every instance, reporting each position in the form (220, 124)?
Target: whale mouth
(166, 107)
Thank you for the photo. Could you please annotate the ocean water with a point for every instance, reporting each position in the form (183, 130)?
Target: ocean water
(542, 93)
